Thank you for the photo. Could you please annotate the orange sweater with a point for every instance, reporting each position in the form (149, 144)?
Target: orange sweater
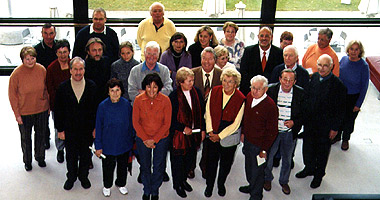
(27, 90)
(312, 54)
(152, 118)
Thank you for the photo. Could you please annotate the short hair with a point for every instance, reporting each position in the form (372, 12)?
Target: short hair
(267, 28)
(150, 78)
(231, 72)
(260, 78)
(95, 40)
(293, 47)
(155, 4)
(288, 70)
(99, 10)
(152, 45)
(182, 75)
(230, 24)
(48, 25)
(210, 32)
(77, 59)
(115, 82)
(326, 56)
(210, 50)
(61, 44)
(177, 36)
(361, 48)
(286, 35)
(127, 44)
(326, 31)
(220, 51)
(27, 51)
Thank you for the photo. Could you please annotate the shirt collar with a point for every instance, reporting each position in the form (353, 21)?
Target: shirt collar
(266, 52)
(325, 78)
(92, 29)
(257, 101)
(281, 91)
(144, 68)
(293, 68)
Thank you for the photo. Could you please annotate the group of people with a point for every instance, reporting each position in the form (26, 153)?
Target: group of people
(211, 97)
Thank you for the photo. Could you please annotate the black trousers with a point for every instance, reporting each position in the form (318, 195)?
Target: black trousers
(216, 153)
(347, 127)
(109, 165)
(78, 157)
(315, 151)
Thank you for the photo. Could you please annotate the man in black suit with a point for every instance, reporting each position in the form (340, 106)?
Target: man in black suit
(75, 111)
(259, 59)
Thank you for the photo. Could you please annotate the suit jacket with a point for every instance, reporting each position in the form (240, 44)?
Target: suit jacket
(250, 65)
(302, 75)
(297, 105)
(198, 79)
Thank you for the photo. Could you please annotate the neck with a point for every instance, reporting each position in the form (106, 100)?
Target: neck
(63, 65)
(158, 23)
(228, 43)
(354, 59)
(265, 48)
(150, 67)
(49, 45)
(99, 30)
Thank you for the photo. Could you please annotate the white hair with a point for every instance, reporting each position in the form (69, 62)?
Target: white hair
(156, 4)
(292, 47)
(325, 56)
(260, 78)
(152, 45)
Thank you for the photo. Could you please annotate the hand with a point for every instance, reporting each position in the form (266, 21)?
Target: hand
(141, 91)
(203, 135)
(242, 138)
(61, 135)
(289, 123)
(98, 152)
(188, 131)
(214, 137)
(19, 120)
(263, 154)
(150, 144)
(93, 133)
(356, 109)
(333, 134)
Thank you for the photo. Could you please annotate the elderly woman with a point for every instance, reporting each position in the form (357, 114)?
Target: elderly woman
(205, 37)
(176, 55)
(234, 46)
(354, 73)
(223, 117)
(114, 136)
(187, 124)
(29, 101)
(222, 58)
(152, 112)
(121, 68)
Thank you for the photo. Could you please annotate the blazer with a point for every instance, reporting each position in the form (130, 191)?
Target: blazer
(198, 79)
(302, 75)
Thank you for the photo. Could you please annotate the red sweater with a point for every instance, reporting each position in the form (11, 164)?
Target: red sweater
(54, 77)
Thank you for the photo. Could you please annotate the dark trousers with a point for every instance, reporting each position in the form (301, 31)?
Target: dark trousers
(109, 164)
(215, 154)
(349, 118)
(181, 165)
(315, 151)
(38, 121)
(77, 150)
(47, 135)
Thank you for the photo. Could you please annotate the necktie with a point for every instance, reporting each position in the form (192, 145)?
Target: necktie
(207, 86)
(263, 61)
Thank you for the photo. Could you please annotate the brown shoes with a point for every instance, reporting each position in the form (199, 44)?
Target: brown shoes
(345, 146)
(285, 189)
(267, 185)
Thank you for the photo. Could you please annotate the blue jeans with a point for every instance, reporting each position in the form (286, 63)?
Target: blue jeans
(152, 180)
(285, 142)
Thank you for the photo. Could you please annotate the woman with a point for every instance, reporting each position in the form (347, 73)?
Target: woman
(234, 46)
(114, 136)
(176, 56)
(223, 117)
(222, 58)
(187, 123)
(151, 120)
(29, 101)
(121, 68)
(205, 37)
(354, 73)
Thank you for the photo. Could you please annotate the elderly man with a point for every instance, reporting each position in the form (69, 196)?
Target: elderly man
(74, 113)
(290, 62)
(100, 30)
(155, 28)
(309, 60)
(259, 59)
(325, 112)
(286, 39)
(290, 101)
(57, 72)
(259, 131)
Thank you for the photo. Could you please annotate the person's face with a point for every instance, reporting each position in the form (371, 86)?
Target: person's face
(188, 83)
(63, 54)
(265, 38)
(151, 56)
(151, 90)
(229, 84)
(230, 34)
(29, 61)
(287, 81)
(77, 71)
(353, 52)
(126, 53)
(290, 57)
(208, 61)
(324, 67)
(178, 45)
(285, 43)
(257, 89)
(323, 41)
(48, 34)
(222, 60)
(95, 51)
(115, 94)
(204, 39)
(157, 14)
(99, 21)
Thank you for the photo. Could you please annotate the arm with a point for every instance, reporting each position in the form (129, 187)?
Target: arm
(136, 115)
(234, 126)
(166, 121)
(133, 85)
(167, 81)
(271, 127)
(364, 86)
(13, 97)
(208, 120)
(99, 128)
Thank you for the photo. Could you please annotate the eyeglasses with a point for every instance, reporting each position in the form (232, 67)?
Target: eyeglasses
(287, 80)
(257, 89)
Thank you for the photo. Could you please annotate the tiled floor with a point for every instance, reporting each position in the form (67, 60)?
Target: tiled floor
(354, 171)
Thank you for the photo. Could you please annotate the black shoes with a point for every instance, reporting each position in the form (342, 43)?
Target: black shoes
(208, 192)
(28, 167)
(145, 197)
(166, 177)
(222, 190)
(303, 174)
(316, 182)
(181, 192)
(85, 183)
(154, 197)
(60, 156)
(68, 185)
(41, 163)
(186, 186)
(244, 189)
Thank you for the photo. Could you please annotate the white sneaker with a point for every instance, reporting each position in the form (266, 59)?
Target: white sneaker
(123, 190)
(107, 192)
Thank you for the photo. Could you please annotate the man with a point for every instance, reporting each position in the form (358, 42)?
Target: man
(290, 62)
(259, 59)
(286, 39)
(309, 60)
(74, 112)
(100, 30)
(57, 72)
(45, 55)
(259, 130)
(155, 28)
(325, 113)
(290, 101)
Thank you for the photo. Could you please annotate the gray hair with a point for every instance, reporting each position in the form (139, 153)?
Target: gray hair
(152, 45)
(260, 78)
(75, 60)
(156, 4)
(231, 72)
(210, 50)
(99, 10)
(293, 48)
(325, 56)
(326, 31)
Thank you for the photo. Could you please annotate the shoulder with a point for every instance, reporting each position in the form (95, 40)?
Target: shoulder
(218, 71)
(197, 69)
(84, 31)
(145, 21)
(168, 21)
(276, 49)
(110, 30)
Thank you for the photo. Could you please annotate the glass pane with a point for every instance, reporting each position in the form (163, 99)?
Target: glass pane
(36, 9)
